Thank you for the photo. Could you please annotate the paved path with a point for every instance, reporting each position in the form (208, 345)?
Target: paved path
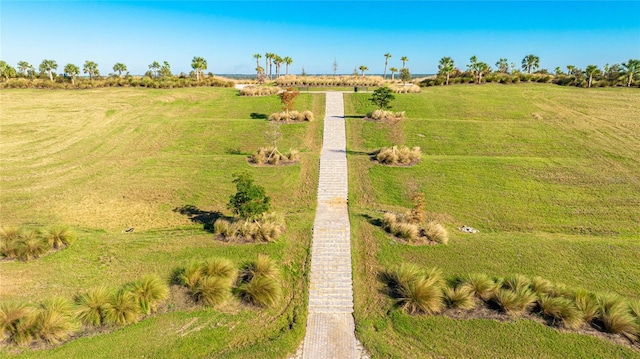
(330, 325)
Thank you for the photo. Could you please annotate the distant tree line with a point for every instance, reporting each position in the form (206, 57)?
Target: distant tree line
(158, 76)
(624, 74)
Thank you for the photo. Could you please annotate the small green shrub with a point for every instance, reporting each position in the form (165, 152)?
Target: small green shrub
(250, 199)
(93, 305)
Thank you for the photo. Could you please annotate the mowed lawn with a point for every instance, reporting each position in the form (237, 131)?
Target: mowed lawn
(549, 175)
(105, 160)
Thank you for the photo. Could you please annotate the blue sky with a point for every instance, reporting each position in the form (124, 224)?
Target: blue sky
(314, 33)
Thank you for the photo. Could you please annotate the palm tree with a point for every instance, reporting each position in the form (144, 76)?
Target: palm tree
(558, 71)
(270, 56)
(393, 70)
(530, 62)
(257, 57)
(386, 62)
(446, 66)
(277, 60)
(267, 57)
(91, 68)
(570, 69)
(6, 71)
(119, 68)
(404, 59)
(477, 68)
(48, 66)
(363, 69)
(590, 71)
(287, 61)
(154, 67)
(503, 65)
(23, 66)
(632, 68)
(198, 64)
(72, 71)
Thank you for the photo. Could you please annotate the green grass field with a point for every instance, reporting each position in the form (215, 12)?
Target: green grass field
(549, 176)
(105, 160)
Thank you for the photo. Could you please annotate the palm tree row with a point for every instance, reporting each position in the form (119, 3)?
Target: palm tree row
(531, 63)
(271, 59)
(47, 67)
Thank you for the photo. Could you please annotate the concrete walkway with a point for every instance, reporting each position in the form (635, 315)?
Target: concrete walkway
(330, 325)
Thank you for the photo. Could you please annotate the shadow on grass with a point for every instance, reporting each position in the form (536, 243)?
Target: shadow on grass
(196, 215)
(354, 116)
(358, 153)
(258, 116)
(374, 221)
(233, 151)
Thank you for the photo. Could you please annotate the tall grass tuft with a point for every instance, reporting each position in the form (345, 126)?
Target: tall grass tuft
(123, 309)
(416, 291)
(219, 267)
(587, 303)
(92, 305)
(212, 290)
(481, 285)
(461, 297)
(436, 232)
(516, 282)
(385, 115)
(542, 286)
(514, 301)
(149, 291)
(59, 237)
(17, 323)
(263, 266)
(561, 311)
(30, 245)
(261, 291)
(615, 317)
(55, 321)
(398, 155)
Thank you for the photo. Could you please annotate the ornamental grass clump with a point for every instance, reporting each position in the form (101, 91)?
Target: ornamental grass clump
(92, 306)
(512, 301)
(560, 311)
(481, 285)
(259, 90)
(209, 281)
(271, 156)
(59, 237)
(26, 244)
(292, 116)
(587, 304)
(416, 291)
(55, 321)
(460, 297)
(405, 89)
(435, 232)
(265, 228)
(397, 156)
(149, 291)
(17, 322)
(385, 115)
(211, 290)
(259, 282)
(405, 227)
(614, 316)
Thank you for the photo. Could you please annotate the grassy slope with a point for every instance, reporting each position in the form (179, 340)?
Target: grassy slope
(108, 159)
(548, 174)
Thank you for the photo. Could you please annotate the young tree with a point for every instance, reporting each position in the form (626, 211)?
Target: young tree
(47, 66)
(503, 65)
(154, 67)
(405, 75)
(363, 69)
(119, 67)
(477, 68)
(72, 71)
(288, 98)
(590, 71)
(91, 68)
(198, 64)
(404, 59)
(382, 97)
(23, 66)
(530, 63)
(250, 199)
(386, 62)
(165, 69)
(287, 62)
(446, 66)
(393, 70)
(631, 69)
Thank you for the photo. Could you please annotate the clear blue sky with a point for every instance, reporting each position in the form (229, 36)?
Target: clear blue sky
(313, 33)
